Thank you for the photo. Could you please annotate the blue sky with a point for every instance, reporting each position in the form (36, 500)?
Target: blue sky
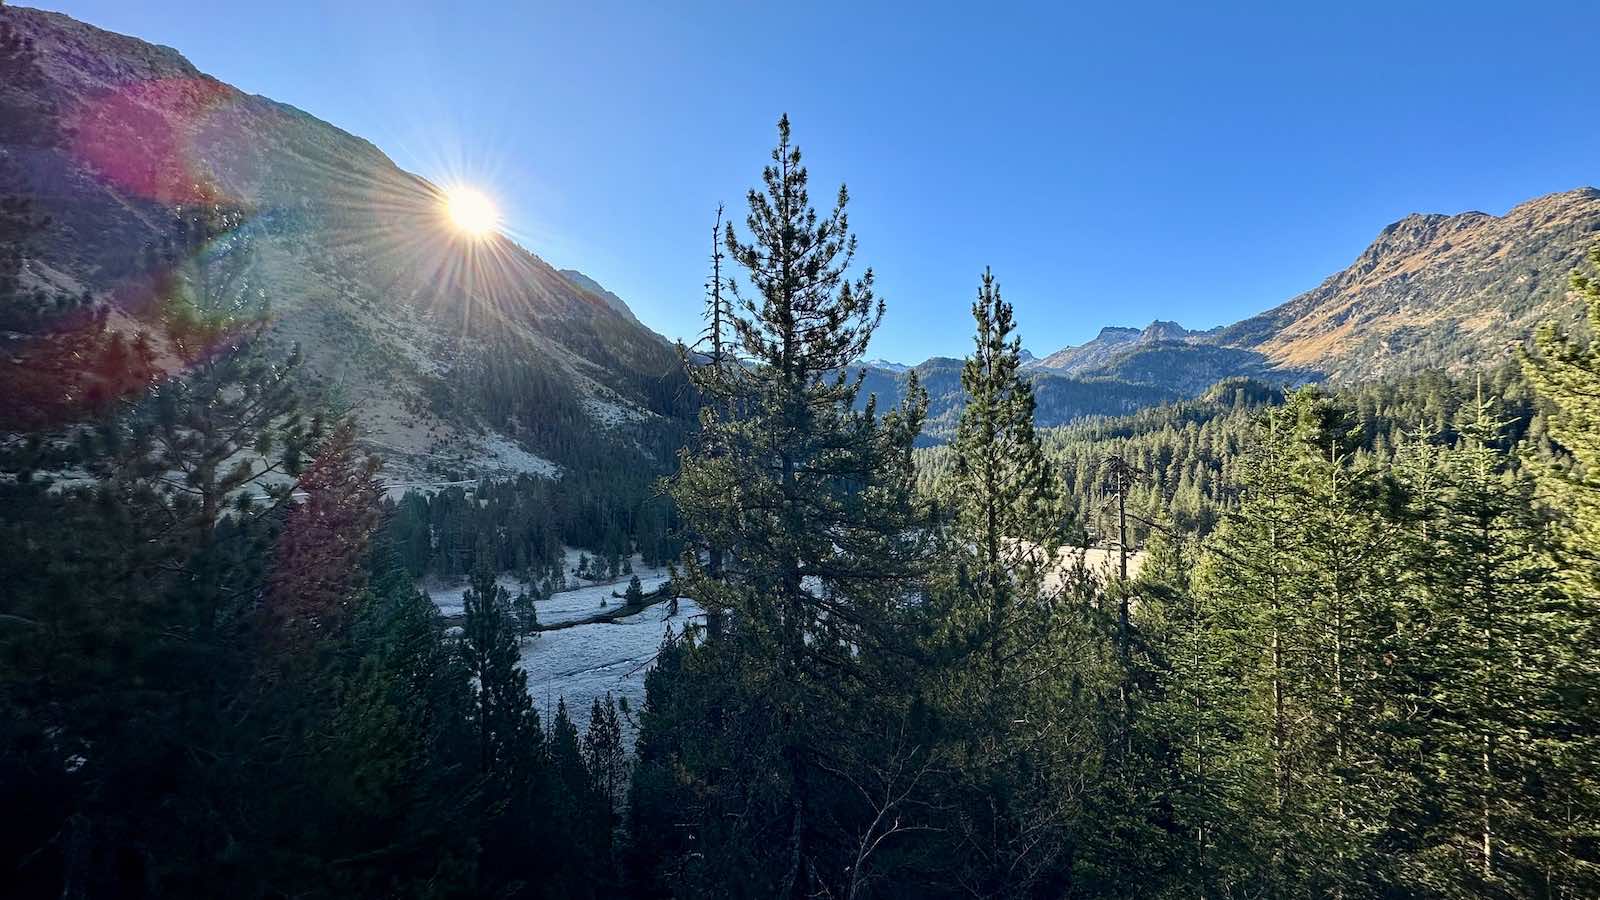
(1114, 163)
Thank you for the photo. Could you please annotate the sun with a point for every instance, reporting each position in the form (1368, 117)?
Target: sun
(472, 213)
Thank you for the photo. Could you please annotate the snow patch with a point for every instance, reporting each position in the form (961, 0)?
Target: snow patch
(611, 414)
(583, 662)
(583, 602)
(505, 455)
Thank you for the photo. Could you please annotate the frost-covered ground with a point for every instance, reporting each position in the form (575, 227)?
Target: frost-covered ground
(506, 456)
(582, 599)
(448, 598)
(570, 606)
(585, 661)
(582, 662)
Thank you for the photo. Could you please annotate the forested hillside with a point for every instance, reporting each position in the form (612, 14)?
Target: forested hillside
(1060, 398)
(1184, 456)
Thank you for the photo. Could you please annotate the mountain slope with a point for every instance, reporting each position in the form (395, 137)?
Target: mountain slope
(1433, 291)
(146, 166)
(1111, 340)
(1186, 368)
(585, 283)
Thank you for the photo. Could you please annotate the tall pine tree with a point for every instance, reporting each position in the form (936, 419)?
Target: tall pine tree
(1013, 644)
(809, 498)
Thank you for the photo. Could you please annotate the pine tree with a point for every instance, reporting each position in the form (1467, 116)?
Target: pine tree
(1480, 658)
(810, 499)
(503, 713)
(321, 552)
(1565, 373)
(1246, 576)
(224, 431)
(1187, 760)
(1349, 558)
(391, 802)
(603, 753)
(1010, 637)
(1008, 523)
(803, 484)
(566, 755)
(138, 582)
(525, 611)
(1302, 579)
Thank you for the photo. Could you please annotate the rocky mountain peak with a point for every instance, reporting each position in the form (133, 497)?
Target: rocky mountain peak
(1433, 290)
(1115, 332)
(1161, 330)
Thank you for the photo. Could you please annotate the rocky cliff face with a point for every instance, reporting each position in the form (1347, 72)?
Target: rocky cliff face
(1433, 291)
(125, 146)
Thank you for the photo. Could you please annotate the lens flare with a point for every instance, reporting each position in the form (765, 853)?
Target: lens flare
(471, 212)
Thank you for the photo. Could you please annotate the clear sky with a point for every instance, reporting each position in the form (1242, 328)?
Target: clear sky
(1114, 163)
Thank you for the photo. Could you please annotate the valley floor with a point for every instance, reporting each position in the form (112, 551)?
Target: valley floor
(583, 653)
(589, 645)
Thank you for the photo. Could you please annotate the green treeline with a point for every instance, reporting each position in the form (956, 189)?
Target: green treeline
(520, 525)
(1186, 454)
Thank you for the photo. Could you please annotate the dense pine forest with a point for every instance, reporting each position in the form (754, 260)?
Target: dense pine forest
(1360, 658)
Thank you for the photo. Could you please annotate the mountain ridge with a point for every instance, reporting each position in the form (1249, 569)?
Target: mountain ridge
(1111, 342)
(585, 283)
(125, 146)
(1432, 290)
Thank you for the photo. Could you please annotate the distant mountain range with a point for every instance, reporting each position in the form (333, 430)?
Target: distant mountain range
(1431, 292)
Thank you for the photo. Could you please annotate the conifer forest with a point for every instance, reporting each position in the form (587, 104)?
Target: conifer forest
(909, 634)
